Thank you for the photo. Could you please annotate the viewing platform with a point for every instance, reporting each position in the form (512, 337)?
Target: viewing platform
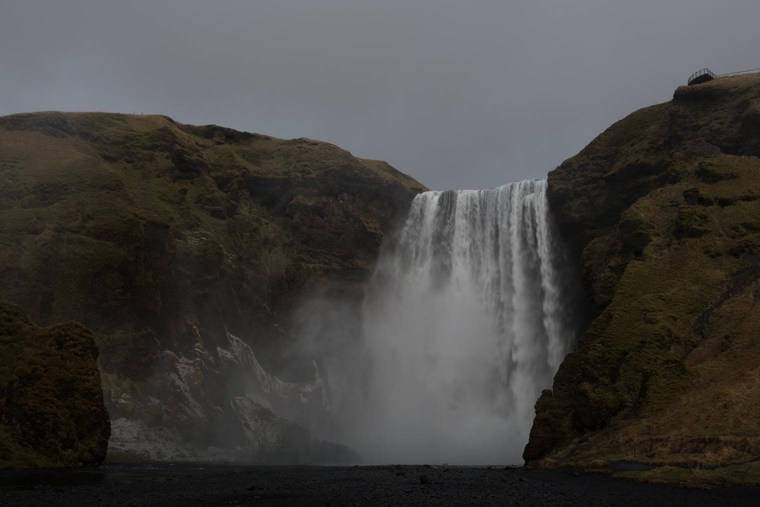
(705, 75)
(701, 76)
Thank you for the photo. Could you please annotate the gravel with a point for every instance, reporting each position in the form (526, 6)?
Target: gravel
(149, 485)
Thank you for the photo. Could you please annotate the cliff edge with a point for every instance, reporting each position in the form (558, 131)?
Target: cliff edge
(185, 248)
(664, 212)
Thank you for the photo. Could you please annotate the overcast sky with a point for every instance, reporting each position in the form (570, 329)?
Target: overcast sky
(459, 94)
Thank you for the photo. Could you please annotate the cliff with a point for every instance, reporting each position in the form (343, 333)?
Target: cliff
(664, 212)
(51, 402)
(184, 248)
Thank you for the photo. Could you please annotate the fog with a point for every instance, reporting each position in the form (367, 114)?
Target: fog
(457, 94)
(465, 321)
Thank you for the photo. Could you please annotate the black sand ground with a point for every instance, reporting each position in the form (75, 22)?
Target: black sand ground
(184, 485)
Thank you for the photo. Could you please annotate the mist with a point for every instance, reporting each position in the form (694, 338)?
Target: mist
(466, 318)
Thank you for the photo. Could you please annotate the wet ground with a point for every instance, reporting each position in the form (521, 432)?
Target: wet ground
(186, 485)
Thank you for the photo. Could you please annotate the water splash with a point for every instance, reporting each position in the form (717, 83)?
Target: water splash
(463, 326)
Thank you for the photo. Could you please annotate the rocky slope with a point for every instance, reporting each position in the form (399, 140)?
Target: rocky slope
(664, 208)
(183, 248)
(51, 402)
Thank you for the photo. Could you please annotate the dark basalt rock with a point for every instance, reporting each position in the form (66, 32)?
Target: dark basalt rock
(51, 402)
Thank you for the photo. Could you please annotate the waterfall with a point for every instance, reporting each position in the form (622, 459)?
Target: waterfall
(463, 326)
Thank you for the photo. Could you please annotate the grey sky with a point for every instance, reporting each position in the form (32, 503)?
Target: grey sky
(458, 94)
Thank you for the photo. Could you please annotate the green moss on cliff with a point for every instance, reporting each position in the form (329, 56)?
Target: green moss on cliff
(664, 206)
(52, 404)
(165, 237)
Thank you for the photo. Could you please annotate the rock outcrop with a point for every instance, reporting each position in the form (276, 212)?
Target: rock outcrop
(51, 403)
(184, 248)
(664, 209)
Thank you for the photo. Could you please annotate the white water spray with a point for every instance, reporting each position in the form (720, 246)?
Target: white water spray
(463, 326)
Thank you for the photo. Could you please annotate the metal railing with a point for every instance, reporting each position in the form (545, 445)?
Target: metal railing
(701, 73)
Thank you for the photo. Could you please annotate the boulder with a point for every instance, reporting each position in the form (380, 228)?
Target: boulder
(51, 402)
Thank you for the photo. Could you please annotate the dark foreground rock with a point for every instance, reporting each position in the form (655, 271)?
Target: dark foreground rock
(319, 486)
(51, 402)
(664, 208)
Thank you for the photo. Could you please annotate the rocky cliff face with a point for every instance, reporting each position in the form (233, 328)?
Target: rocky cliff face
(664, 208)
(51, 402)
(183, 248)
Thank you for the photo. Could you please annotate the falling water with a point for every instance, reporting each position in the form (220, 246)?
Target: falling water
(463, 326)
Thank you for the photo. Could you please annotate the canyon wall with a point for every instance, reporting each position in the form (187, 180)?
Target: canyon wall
(664, 212)
(184, 249)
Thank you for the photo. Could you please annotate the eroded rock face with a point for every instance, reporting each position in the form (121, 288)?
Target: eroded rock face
(51, 403)
(664, 208)
(184, 248)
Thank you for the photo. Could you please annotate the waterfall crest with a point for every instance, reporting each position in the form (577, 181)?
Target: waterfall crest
(463, 326)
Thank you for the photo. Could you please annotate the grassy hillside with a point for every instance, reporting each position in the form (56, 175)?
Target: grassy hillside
(167, 239)
(664, 208)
